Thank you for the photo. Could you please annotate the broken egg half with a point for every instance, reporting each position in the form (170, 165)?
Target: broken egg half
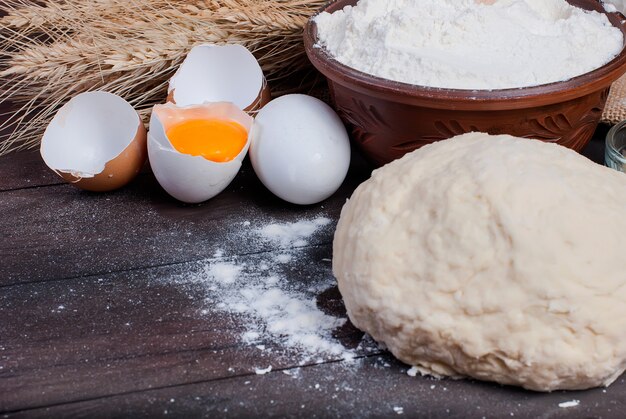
(196, 151)
(220, 73)
(96, 141)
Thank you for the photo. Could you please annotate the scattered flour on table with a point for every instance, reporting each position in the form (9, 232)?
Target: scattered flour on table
(225, 273)
(571, 403)
(292, 234)
(274, 307)
(469, 44)
(263, 371)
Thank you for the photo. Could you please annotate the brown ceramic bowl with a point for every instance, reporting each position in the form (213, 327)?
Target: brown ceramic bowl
(389, 119)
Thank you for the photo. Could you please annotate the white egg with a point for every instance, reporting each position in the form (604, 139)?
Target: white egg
(188, 178)
(300, 149)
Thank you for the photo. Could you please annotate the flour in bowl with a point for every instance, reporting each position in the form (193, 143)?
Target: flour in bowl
(469, 44)
(614, 5)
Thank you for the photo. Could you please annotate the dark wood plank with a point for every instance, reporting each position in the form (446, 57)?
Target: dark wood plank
(120, 335)
(376, 386)
(64, 341)
(59, 232)
(25, 169)
(78, 340)
(63, 228)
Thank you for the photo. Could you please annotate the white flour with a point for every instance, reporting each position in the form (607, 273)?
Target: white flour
(572, 403)
(280, 313)
(293, 234)
(466, 44)
(274, 309)
(615, 5)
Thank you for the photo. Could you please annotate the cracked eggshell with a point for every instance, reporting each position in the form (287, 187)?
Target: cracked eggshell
(192, 179)
(220, 73)
(96, 141)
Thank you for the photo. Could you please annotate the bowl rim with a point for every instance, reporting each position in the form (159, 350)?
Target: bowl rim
(467, 99)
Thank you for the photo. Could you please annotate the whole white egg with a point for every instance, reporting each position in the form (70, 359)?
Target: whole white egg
(300, 149)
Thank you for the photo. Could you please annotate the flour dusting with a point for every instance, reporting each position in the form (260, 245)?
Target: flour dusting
(263, 371)
(292, 234)
(274, 307)
(571, 403)
(225, 273)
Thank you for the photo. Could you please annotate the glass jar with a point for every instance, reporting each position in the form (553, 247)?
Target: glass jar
(615, 151)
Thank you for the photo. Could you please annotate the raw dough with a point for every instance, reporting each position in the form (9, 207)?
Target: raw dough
(492, 257)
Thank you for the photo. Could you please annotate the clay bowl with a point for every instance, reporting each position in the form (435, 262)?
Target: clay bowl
(388, 119)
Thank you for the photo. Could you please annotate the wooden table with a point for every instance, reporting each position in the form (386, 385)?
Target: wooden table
(92, 324)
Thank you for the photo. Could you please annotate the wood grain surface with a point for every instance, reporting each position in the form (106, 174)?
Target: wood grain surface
(102, 314)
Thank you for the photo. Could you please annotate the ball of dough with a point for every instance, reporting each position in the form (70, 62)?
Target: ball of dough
(492, 257)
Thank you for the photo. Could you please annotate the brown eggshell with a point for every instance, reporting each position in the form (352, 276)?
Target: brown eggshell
(170, 97)
(119, 171)
(265, 95)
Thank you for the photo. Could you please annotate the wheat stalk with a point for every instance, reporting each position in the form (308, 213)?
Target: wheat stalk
(52, 50)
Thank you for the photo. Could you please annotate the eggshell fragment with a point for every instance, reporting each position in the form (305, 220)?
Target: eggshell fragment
(220, 73)
(192, 179)
(96, 142)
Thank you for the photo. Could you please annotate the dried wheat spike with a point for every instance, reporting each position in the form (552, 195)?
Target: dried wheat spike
(52, 50)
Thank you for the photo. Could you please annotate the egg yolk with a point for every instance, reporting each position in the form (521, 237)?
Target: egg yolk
(214, 139)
